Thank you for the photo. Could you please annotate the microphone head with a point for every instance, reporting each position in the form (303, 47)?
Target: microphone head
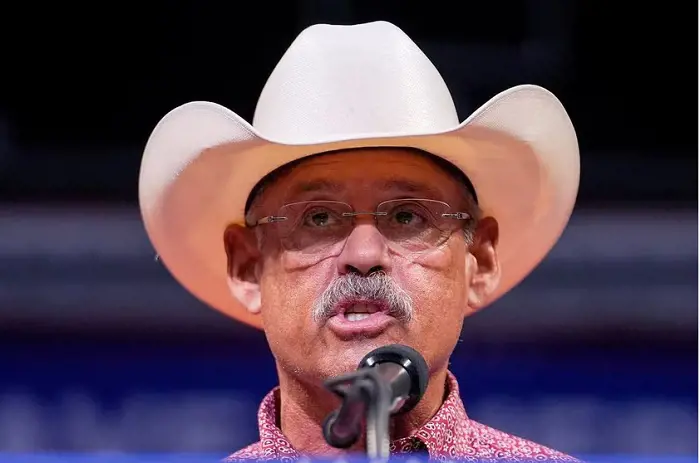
(410, 360)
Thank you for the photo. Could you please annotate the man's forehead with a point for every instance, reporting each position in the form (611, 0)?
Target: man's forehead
(401, 170)
(381, 170)
(393, 183)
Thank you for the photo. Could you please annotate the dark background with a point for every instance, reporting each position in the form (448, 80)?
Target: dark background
(100, 349)
(94, 82)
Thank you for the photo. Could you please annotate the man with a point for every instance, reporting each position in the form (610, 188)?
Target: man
(358, 212)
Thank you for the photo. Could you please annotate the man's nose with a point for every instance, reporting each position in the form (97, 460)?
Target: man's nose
(365, 251)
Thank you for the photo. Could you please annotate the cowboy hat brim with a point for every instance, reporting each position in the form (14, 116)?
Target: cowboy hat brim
(202, 160)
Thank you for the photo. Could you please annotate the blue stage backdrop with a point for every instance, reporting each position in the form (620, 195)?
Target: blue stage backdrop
(73, 396)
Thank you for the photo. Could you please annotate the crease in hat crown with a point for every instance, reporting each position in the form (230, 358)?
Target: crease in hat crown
(335, 82)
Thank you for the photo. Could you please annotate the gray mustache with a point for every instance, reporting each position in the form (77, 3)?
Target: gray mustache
(377, 287)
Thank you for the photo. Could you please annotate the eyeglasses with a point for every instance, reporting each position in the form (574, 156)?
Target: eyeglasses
(409, 225)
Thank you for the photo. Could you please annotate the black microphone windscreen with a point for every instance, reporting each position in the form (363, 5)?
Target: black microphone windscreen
(409, 358)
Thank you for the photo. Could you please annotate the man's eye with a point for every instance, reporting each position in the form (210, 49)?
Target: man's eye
(405, 217)
(318, 218)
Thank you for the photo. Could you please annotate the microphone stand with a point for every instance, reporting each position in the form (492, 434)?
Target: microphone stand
(363, 386)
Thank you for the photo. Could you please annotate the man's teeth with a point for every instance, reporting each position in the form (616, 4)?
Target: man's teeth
(354, 317)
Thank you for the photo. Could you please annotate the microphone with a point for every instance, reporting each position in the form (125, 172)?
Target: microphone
(396, 372)
(404, 369)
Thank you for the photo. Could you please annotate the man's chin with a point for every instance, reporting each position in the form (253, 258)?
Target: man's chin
(344, 356)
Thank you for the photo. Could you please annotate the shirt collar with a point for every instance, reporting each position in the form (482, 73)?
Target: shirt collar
(446, 427)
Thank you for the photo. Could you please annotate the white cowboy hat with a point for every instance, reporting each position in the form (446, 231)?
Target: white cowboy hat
(341, 87)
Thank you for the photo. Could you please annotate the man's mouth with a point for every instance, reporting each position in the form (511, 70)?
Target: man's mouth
(360, 318)
(359, 312)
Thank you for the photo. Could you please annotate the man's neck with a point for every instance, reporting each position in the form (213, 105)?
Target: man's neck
(303, 409)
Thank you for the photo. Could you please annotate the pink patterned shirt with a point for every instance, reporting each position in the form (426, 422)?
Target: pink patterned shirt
(449, 435)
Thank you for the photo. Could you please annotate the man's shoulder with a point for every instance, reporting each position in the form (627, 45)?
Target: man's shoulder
(252, 452)
(488, 442)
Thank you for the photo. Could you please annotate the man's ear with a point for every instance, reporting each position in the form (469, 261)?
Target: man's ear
(483, 268)
(243, 266)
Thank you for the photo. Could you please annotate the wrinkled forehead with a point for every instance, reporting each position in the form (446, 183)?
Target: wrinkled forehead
(400, 171)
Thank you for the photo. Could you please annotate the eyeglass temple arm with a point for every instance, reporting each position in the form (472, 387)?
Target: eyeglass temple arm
(457, 215)
(271, 219)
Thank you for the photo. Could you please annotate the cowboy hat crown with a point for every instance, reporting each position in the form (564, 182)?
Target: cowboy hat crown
(340, 81)
(348, 87)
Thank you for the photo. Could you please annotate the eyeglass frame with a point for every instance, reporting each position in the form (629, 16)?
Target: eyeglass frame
(271, 219)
